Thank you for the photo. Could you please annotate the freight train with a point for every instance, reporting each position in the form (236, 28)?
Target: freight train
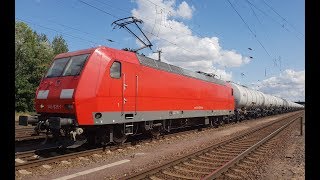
(103, 95)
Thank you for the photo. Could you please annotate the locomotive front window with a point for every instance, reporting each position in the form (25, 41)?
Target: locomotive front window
(68, 66)
(115, 70)
(57, 67)
(75, 65)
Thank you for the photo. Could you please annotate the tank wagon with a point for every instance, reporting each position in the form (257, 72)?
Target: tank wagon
(104, 95)
(250, 103)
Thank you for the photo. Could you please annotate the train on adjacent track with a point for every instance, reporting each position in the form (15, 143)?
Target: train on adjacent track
(103, 95)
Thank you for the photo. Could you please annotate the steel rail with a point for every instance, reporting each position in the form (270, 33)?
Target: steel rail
(230, 163)
(39, 162)
(146, 173)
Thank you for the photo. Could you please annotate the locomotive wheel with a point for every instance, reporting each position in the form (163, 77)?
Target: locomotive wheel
(118, 134)
(226, 120)
(102, 136)
(213, 122)
(155, 132)
(216, 122)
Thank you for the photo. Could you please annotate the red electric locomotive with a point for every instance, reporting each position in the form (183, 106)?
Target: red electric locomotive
(104, 95)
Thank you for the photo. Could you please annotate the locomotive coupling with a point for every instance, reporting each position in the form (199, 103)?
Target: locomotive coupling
(77, 131)
(25, 120)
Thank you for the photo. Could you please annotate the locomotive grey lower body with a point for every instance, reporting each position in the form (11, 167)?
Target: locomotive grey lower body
(66, 131)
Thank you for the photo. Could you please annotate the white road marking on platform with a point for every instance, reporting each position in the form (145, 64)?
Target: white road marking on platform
(92, 170)
(140, 154)
(19, 160)
(46, 166)
(65, 162)
(97, 155)
(83, 158)
(25, 172)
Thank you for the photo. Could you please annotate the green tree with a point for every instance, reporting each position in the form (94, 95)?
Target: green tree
(33, 55)
(59, 45)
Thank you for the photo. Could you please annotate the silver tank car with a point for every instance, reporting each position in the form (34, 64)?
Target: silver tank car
(268, 101)
(248, 102)
(247, 98)
(252, 103)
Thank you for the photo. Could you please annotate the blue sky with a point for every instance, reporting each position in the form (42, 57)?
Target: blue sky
(208, 35)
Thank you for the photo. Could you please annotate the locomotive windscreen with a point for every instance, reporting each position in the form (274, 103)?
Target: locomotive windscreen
(68, 66)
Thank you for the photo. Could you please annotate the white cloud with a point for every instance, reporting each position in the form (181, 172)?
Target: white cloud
(177, 42)
(289, 84)
(231, 58)
(222, 74)
(184, 10)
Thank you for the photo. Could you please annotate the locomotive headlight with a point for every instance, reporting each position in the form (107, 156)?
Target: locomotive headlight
(68, 106)
(98, 115)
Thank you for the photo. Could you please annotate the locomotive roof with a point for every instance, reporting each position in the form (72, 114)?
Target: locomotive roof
(146, 61)
(73, 53)
(177, 70)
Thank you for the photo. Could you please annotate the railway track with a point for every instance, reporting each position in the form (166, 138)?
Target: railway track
(29, 138)
(26, 134)
(31, 159)
(26, 139)
(20, 132)
(35, 158)
(211, 162)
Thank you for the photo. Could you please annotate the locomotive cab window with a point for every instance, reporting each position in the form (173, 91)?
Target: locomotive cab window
(115, 70)
(75, 65)
(68, 66)
(57, 67)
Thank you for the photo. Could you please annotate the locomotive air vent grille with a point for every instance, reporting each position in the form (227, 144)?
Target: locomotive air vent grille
(195, 75)
(175, 69)
(186, 72)
(147, 61)
(164, 66)
(218, 81)
(200, 76)
(207, 78)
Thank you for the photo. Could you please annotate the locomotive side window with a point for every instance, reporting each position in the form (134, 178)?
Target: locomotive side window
(115, 70)
(57, 67)
(75, 65)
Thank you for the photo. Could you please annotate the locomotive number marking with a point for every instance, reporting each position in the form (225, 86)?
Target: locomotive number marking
(54, 106)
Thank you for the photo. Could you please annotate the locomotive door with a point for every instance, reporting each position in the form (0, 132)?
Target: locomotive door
(129, 90)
